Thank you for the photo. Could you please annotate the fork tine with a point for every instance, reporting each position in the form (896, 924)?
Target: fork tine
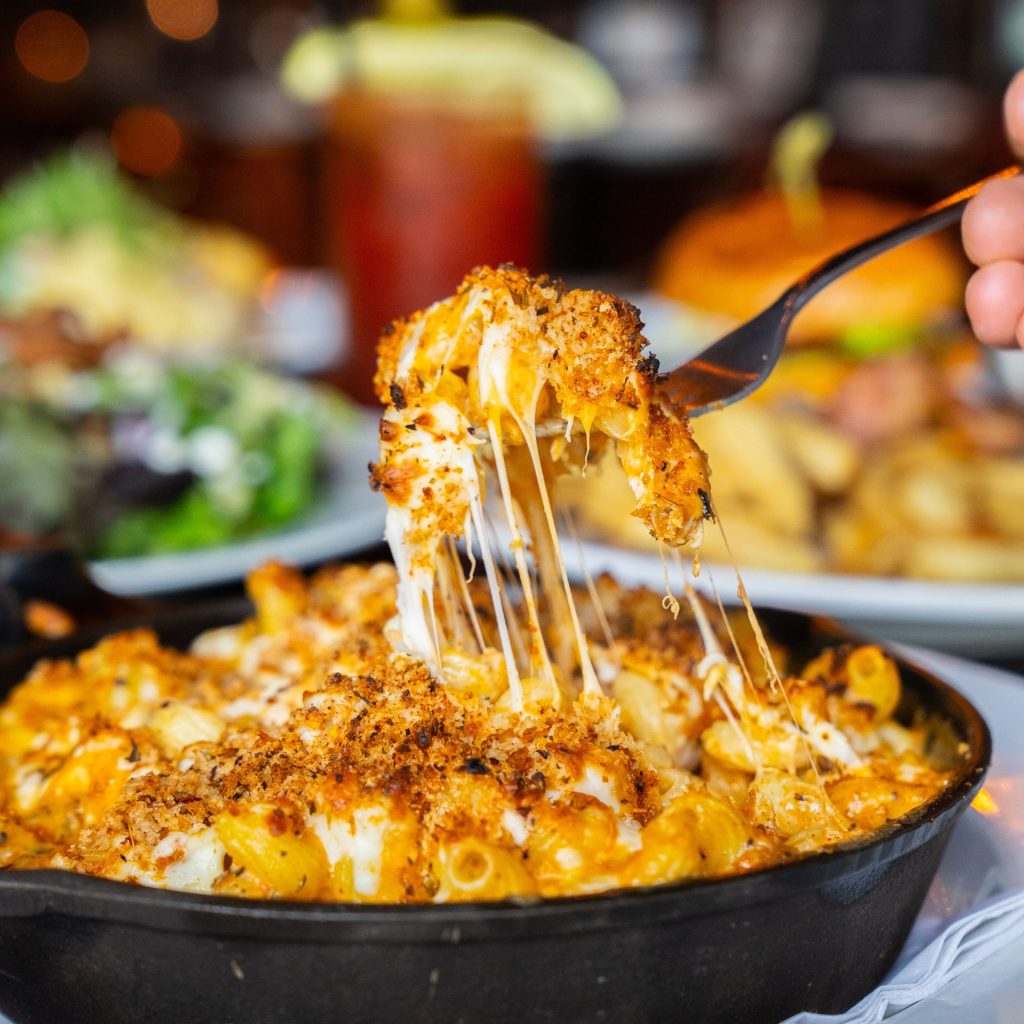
(733, 366)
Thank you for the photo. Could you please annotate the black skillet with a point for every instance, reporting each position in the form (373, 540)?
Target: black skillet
(817, 934)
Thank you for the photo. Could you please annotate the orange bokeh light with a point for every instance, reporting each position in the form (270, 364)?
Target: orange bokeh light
(52, 46)
(146, 140)
(183, 19)
(983, 803)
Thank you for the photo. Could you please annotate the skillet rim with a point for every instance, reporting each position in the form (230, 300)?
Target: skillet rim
(36, 892)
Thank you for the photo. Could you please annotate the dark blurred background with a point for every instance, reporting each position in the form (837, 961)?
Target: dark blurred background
(187, 92)
(436, 142)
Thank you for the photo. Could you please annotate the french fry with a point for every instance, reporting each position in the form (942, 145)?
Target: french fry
(829, 459)
(753, 470)
(965, 559)
(751, 543)
(1001, 491)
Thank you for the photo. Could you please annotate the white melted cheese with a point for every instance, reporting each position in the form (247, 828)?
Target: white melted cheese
(515, 826)
(415, 588)
(893, 734)
(828, 741)
(910, 772)
(270, 702)
(361, 840)
(326, 634)
(28, 789)
(200, 865)
(569, 859)
(223, 643)
(682, 687)
(493, 362)
(252, 654)
(606, 667)
(595, 784)
(408, 354)
(442, 452)
(149, 691)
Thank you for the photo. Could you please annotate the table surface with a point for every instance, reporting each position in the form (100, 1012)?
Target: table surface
(991, 992)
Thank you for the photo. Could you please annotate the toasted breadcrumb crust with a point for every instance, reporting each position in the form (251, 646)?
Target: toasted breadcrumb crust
(294, 755)
(380, 734)
(580, 352)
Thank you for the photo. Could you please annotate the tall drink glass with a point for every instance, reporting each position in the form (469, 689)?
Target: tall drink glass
(419, 192)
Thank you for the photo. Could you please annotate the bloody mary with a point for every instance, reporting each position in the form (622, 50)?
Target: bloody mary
(419, 192)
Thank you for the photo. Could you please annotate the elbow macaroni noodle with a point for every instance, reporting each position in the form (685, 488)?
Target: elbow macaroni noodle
(257, 768)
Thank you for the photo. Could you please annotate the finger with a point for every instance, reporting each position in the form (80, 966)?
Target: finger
(995, 302)
(993, 223)
(1013, 113)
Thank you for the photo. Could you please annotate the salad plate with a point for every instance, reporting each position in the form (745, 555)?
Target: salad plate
(979, 619)
(347, 517)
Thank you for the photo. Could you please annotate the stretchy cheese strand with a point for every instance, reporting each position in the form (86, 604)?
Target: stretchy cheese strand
(590, 681)
(595, 597)
(538, 649)
(514, 683)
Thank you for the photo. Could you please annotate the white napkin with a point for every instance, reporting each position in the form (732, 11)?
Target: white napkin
(976, 904)
(963, 944)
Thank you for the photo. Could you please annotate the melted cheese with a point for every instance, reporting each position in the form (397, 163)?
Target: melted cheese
(198, 859)
(487, 364)
(361, 840)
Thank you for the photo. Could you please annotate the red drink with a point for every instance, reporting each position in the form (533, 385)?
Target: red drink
(420, 192)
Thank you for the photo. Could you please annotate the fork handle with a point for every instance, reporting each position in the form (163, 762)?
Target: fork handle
(944, 213)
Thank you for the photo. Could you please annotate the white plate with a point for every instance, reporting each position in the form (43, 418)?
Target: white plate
(979, 619)
(349, 517)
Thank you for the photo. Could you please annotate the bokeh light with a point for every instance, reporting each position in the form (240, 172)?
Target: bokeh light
(984, 803)
(183, 19)
(52, 46)
(146, 140)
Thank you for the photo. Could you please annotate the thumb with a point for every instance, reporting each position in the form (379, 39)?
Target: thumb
(1013, 113)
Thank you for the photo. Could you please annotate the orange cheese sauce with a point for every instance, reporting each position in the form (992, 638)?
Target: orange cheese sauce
(296, 756)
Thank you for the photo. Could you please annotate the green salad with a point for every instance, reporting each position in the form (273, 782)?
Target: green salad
(144, 454)
(78, 235)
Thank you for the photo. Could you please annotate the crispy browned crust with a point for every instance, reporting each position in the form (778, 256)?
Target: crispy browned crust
(675, 475)
(600, 344)
(597, 338)
(339, 723)
(388, 733)
(590, 355)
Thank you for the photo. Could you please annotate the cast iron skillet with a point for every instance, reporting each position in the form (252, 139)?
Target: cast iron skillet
(813, 935)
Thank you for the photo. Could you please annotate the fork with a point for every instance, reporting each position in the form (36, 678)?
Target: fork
(739, 362)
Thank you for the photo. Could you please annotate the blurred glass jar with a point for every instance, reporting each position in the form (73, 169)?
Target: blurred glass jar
(254, 155)
(418, 192)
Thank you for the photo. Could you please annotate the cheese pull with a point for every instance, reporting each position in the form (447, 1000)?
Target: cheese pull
(504, 362)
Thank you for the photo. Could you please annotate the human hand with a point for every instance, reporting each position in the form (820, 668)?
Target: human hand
(993, 233)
